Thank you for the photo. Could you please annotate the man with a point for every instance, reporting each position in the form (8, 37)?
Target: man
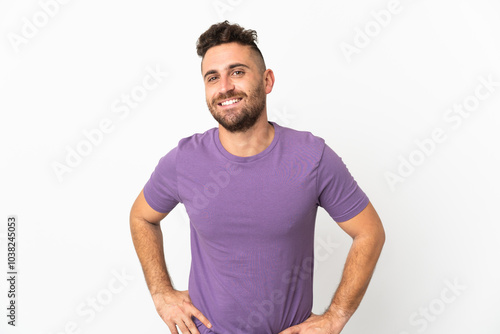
(251, 189)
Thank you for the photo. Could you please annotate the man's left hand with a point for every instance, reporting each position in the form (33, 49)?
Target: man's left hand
(315, 324)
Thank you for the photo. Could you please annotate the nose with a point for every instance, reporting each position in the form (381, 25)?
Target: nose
(226, 84)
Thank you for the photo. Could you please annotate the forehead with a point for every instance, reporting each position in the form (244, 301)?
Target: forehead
(219, 57)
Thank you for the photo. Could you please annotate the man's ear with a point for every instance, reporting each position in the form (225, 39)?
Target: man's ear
(269, 80)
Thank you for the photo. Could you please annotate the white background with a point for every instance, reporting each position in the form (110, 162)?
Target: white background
(370, 107)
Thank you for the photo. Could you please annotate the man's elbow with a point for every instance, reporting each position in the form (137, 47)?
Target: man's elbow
(373, 238)
(380, 239)
(380, 235)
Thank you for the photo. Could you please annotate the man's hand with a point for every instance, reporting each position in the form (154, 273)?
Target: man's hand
(368, 238)
(176, 309)
(326, 323)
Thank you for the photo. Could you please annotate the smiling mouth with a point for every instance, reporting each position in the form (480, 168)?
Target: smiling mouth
(229, 102)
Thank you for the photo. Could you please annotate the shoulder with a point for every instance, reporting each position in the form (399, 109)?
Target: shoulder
(196, 141)
(300, 136)
(188, 147)
(303, 141)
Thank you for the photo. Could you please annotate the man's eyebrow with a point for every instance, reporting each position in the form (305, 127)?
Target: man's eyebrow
(229, 68)
(209, 72)
(237, 65)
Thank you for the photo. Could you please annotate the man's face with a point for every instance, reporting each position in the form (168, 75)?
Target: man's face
(234, 86)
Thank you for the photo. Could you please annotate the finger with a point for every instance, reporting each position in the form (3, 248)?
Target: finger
(290, 330)
(197, 313)
(173, 329)
(182, 326)
(192, 326)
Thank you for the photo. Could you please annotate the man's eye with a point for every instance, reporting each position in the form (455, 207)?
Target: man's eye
(238, 72)
(211, 79)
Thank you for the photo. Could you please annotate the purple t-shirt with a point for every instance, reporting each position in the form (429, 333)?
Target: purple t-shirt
(252, 224)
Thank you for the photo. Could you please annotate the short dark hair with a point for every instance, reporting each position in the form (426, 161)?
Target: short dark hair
(224, 32)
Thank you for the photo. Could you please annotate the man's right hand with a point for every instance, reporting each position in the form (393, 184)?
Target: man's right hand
(176, 309)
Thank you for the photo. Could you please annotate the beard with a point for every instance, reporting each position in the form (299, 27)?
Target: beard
(230, 118)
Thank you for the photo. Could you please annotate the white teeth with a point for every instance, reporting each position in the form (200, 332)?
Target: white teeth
(226, 103)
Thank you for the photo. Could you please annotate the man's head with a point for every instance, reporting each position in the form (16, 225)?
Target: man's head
(223, 33)
(235, 75)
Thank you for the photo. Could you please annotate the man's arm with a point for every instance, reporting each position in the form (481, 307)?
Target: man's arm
(174, 307)
(368, 239)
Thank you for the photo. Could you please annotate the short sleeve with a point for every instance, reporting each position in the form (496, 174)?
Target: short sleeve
(338, 192)
(161, 189)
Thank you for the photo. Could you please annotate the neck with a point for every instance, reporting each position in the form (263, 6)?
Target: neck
(248, 143)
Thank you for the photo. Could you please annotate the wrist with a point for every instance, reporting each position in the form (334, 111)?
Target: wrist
(338, 314)
(164, 291)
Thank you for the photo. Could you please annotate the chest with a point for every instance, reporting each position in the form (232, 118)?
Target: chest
(265, 201)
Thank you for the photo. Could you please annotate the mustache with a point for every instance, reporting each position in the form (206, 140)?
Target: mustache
(228, 95)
